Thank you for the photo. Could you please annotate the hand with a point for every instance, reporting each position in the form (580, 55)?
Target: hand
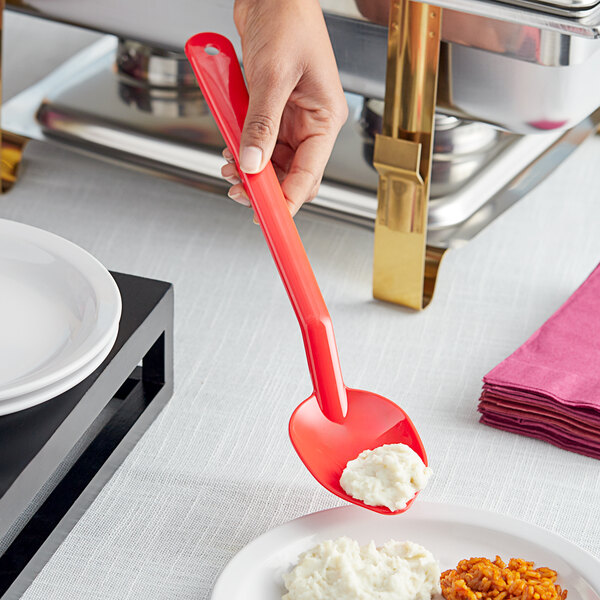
(376, 11)
(297, 104)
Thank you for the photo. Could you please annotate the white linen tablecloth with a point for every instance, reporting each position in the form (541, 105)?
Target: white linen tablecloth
(216, 469)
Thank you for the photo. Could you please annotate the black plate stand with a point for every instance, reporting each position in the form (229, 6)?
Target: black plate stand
(56, 457)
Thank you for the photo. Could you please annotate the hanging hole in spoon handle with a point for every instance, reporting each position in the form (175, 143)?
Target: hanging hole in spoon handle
(224, 89)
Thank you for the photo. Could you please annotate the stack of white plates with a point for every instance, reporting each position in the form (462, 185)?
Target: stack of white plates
(59, 315)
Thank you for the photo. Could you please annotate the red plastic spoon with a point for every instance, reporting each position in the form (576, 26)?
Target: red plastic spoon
(335, 423)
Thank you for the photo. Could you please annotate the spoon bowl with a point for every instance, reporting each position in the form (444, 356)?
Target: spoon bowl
(336, 423)
(325, 447)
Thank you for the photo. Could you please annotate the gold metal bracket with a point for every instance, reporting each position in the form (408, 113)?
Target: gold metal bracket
(405, 269)
(11, 145)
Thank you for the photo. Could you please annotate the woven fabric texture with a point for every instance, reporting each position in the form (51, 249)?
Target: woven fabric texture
(216, 469)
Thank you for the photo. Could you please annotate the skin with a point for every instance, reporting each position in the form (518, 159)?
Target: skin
(297, 105)
(376, 11)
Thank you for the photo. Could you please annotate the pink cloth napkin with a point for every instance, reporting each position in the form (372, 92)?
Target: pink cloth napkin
(549, 388)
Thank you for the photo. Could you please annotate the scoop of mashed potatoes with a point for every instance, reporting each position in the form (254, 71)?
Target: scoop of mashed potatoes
(387, 476)
(344, 570)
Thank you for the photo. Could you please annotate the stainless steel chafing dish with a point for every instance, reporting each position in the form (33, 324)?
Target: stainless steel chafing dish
(517, 90)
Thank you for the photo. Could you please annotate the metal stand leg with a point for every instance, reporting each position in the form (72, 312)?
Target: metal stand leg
(12, 147)
(404, 269)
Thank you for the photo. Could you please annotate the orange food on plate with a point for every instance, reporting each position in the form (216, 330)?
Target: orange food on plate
(482, 579)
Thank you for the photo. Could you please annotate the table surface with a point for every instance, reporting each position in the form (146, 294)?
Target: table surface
(216, 469)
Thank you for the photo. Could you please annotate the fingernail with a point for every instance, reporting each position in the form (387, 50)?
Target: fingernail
(233, 180)
(227, 155)
(250, 159)
(238, 197)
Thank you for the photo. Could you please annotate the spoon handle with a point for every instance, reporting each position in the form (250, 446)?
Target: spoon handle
(217, 69)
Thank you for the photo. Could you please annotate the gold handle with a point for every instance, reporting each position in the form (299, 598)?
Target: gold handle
(402, 157)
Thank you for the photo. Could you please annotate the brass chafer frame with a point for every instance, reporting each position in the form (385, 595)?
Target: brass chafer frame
(12, 155)
(11, 145)
(405, 269)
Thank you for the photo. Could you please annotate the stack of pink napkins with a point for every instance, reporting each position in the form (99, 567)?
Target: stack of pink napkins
(550, 387)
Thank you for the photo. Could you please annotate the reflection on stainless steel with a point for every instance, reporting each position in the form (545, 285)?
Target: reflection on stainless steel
(524, 66)
(360, 46)
(460, 138)
(169, 24)
(513, 75)
(583, 23)
(516, 95)
(460, 148)
(496, 72)
(567, 5)
(154, 67)
(513, 156)
(516, 40)
(570, 5)
(565, 8)
(83, 105)
(533, 172)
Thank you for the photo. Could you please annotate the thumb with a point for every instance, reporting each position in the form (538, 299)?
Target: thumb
(261, 127)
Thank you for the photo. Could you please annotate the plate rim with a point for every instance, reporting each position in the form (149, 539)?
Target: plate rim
(437, 511)
(59, 387)
(105, 290)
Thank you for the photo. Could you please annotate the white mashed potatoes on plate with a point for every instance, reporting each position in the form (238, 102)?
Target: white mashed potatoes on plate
(343, 570)
(386, 476)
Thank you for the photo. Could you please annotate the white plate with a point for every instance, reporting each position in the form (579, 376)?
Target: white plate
(59, 308)
(451, 533)
(25, 401)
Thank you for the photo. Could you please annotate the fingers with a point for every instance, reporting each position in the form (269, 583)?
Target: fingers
(230, 174)
(299, 172)
(302, 181)
(268, 94)
(295, 94)
(282, 158)
(238, 193)
(376, 11)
